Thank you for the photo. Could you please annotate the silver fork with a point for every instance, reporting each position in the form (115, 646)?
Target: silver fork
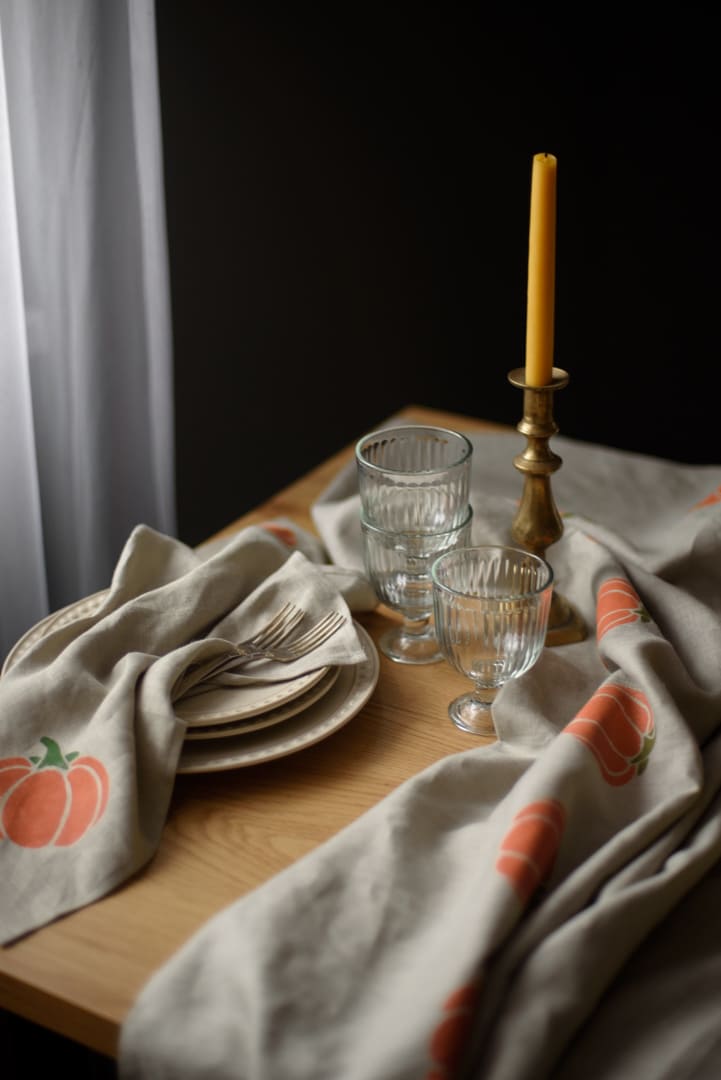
(269, 636)
(276, 630)
(298, 647)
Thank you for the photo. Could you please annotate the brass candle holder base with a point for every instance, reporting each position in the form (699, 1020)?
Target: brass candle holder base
(538, 524)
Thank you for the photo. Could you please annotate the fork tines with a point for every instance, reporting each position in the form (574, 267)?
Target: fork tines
(278, 629)
(317, 634)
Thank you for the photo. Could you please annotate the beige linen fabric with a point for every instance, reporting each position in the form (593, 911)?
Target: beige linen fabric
(89, 740)
(496, 915)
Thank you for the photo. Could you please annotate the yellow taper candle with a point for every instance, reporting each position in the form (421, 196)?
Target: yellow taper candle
(541, 271)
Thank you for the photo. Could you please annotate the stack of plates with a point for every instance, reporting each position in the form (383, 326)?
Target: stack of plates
(230, 728)
(233, 727)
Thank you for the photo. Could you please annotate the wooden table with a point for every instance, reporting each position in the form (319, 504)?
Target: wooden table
(228, 832)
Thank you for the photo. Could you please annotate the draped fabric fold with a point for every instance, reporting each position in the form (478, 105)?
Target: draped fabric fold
(501, 914)
(86, 413)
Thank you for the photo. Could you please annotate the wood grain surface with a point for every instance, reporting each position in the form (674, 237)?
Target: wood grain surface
(228, 832)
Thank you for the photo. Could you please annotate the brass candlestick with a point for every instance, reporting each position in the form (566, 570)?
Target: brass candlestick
(538, 524)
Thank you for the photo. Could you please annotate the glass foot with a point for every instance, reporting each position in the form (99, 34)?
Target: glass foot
(473, 714)
(405, 648)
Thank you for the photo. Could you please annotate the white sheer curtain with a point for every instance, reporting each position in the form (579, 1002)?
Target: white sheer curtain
(86, 414)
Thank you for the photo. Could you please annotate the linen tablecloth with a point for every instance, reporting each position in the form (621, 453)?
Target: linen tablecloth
(545, 906)
(89, 736)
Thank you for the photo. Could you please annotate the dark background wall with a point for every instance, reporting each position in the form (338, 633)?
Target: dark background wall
(348, 193)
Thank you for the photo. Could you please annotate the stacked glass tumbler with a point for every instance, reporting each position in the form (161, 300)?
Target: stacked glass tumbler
(413, 482)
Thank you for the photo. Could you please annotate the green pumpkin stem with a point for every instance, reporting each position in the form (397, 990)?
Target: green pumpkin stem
(53, 756)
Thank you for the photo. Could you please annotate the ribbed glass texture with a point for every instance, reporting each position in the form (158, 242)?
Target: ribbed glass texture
(399, 564)
(414, 478)
(491, 608)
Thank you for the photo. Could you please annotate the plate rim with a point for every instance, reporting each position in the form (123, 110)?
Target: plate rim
(87, 605)
(284, 711)
(279, 692)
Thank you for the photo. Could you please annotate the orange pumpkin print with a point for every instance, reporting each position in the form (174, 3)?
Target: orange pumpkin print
(617, 603)
(529, 848)
(617, 726)
(714, 497)
(51, 800)
(449, 1038)
(282, 532)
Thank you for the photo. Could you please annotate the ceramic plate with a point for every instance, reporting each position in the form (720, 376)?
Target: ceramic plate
(344, 699)
(241, 702)
(63, 617)
(265, 719)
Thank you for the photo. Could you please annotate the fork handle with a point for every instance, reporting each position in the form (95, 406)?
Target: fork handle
(245, 654)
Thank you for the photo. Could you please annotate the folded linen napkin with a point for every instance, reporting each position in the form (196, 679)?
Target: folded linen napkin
(476, 921)
(89, 739)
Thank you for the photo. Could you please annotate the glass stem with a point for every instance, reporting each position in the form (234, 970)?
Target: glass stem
(416, 627)
(485, 695)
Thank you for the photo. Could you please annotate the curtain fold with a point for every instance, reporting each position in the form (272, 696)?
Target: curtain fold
(86, 404)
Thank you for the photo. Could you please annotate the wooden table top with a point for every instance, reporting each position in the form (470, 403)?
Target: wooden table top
(228, 832)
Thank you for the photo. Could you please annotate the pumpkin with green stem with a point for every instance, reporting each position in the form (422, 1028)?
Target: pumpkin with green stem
(617, 726)
(618, 604)
(51, 800)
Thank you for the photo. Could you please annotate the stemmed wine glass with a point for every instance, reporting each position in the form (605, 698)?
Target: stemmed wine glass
(398, 565)
(491, 607)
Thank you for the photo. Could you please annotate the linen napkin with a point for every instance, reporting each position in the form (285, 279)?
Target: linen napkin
(494, 916)
(89, 739)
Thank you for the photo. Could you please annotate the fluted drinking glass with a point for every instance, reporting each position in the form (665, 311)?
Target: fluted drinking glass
(491, 607)
(414, 478)
(398, 564)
